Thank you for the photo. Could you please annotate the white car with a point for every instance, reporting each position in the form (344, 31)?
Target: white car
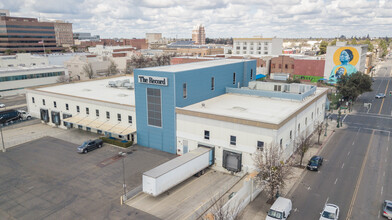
(380, 96)
(2, 105)
(330, 211)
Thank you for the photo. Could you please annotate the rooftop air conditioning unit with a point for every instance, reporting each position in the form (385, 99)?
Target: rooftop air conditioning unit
(112, 84)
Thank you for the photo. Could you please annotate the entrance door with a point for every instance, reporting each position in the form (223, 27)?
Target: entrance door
(185, 146)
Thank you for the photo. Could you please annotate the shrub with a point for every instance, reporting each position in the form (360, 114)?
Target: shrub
(117, 142)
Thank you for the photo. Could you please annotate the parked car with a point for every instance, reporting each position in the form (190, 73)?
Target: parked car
(280, 209)
(315, 163)
(13, 115)
(380, 96)
(2, 105)
(387, 209)
(330, 211)
(90, 145)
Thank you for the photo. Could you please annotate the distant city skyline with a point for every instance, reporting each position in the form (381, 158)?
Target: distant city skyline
(221, 18)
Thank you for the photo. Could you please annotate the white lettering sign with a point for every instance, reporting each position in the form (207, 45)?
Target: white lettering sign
(161, 81)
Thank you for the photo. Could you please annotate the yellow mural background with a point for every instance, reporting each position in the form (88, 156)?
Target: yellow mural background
(336, 56)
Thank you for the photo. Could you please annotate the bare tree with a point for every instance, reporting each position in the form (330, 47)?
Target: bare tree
(319, 127)
(88, 70)
(112, 69)
(221, 210)
(273, 170)
(303, 144)
(63, 79)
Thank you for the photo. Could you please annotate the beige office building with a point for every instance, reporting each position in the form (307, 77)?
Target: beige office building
(63, 32)
(153, 37)
(199, 34)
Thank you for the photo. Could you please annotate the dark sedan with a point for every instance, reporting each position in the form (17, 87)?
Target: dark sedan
(315, 163)
(90, 145)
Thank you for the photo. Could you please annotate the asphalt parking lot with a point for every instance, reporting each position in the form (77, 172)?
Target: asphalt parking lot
(46, 179)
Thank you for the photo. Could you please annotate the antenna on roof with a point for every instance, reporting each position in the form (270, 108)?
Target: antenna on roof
(203, 105)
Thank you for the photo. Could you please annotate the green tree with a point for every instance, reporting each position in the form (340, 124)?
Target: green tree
(369, 43)
(354, 42)
(350, 87)
(333, 43)
(323, 47)
(8, 52)
(74, 48)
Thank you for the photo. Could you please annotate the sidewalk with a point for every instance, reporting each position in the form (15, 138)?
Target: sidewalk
(258, 208)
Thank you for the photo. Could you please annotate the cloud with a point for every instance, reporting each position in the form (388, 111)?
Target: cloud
(221, 18)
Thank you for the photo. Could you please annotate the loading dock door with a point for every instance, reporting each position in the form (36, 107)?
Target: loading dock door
(232, 161)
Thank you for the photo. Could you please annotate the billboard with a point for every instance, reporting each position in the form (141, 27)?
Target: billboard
(344, 60)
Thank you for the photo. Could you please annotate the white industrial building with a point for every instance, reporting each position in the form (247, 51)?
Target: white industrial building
(242, 121)
(257, 46)
(22, 60)
(105, 106)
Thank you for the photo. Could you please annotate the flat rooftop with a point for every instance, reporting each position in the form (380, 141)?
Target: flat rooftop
(251, 107)
(193, 66)
(97, 90)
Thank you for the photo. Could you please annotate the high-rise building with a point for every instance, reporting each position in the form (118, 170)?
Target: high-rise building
(199, 34)
(18, 34)
(63, 31)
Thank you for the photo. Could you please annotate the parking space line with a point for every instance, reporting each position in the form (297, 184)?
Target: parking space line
(342, 165)
(336, 181)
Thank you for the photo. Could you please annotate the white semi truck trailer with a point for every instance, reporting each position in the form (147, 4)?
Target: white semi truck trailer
(175, 171)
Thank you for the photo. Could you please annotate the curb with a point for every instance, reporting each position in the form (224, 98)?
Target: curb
(299, 180)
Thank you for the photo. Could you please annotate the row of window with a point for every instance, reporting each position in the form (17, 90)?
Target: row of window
(87, 110)
(30, 76)
(25, 36)
(233, 140)
(27, 32)
(286, 66)
(184, 86)
(251, 48)
(251, 52)
(24, 26)
(27, 46)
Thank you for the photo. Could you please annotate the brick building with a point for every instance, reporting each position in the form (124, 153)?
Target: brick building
(63, 32)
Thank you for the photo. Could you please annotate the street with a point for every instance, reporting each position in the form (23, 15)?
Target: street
(356, 173)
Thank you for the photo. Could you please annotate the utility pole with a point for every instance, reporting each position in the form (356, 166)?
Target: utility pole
(123, 154)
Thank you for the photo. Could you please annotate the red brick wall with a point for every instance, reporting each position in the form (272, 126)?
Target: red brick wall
(309, 67)
(138, 43)
(282, 64)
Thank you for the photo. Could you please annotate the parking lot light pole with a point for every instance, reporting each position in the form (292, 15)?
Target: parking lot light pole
(2, 138)
(123, 154)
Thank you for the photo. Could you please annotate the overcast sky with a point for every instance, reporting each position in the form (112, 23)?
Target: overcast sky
(221, 18)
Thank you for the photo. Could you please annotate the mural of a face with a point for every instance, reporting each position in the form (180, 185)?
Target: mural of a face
(344, 57)
(340, 72)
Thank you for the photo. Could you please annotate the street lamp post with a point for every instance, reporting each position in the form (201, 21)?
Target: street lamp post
(326, 127)
(1, 131)
(123, 154)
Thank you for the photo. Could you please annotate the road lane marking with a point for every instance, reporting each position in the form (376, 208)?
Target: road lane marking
(382, 188)
(382, 103)
(356, 136)
(336, 181)
(359, 179)
(342, 165)
(348, 153)
(353, 143)
(383, 174)
(344, 117)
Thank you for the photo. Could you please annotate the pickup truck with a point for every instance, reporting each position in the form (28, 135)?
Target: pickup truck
(90, 145)
(13, 115)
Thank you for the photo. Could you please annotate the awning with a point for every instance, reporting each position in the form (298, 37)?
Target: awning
(259, 76)
(101, 125)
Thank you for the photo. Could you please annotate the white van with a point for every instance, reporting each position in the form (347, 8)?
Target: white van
(280, 209)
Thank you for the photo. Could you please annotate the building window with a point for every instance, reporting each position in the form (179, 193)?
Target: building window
(238, 47)
(212, 83)
(251, 74)
(291, 135)
(273, 65)
(97, 112)
(99, 131)
(32, 98)
(184, 90)
(154, 109)
(286, 66)
(80, 127)
(108, 115)
(129, 119)
(281, 142)
(280, 66)
(299, 128)
(87, 111)
(260, 145)
(292, 66)
(233, 140)
(277, 87)
(118, 117)
(43, 101)
(88, 129)
(55, 104)
(206, 135)
(312, 115)
(233, 78)
(77, 109)
(66, 107)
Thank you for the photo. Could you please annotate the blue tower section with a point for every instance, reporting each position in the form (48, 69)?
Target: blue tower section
(159, 90)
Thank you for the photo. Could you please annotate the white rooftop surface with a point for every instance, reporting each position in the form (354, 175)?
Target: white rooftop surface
(251, 107)
(192, 66)
(97, 90)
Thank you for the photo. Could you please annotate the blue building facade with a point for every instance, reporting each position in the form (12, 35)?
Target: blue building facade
(159, 90)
